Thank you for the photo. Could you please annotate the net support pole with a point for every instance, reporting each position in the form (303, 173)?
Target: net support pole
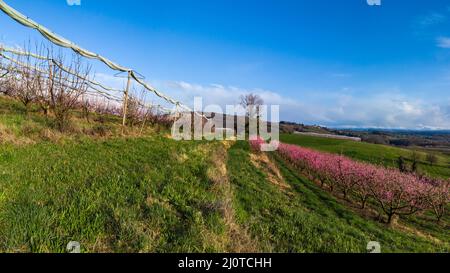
(125, 101)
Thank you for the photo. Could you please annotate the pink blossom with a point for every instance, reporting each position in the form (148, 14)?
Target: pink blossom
(396, 193)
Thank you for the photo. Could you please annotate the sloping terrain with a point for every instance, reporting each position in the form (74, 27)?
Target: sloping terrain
(148, 193)
(372, 153)
(305, 218)
(123, 195)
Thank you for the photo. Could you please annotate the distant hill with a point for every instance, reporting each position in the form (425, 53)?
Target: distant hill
(427, 139)
(291, 127)
(403, 138)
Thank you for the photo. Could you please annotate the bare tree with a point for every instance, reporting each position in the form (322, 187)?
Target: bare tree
(105, 107)
(62, 90)
(136, 111)
(24, 79)
(59, 87)
(3, 75)
(252, 103)
(86, 106)
(148, 115)
(133, 110)
(5, 81)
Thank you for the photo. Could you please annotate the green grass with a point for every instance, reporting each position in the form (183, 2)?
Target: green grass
(155, 195)
(116, 195)
(22, 128)
(307, 219)
(373, 153)
(151, 194)
(120, 193)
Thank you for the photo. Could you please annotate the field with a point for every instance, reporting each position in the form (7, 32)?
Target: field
(95, 166)
(372, 153)
(295, 215)
(148, 193)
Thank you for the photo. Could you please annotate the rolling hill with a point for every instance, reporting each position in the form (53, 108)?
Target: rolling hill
(148, 193)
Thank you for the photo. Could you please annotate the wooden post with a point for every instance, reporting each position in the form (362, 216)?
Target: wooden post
(125, 102)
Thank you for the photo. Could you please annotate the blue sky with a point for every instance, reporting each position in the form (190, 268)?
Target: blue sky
(333, 63)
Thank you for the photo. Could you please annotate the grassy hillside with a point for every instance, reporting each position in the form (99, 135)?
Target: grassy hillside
(143, 192)
(19, 127)
(295, 215)
(124, 195)
(378, 154)
(158, 195)
(111, 192)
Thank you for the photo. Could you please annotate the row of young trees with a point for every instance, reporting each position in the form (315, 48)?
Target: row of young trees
(59, 86)
(394, 192)
(54, 89)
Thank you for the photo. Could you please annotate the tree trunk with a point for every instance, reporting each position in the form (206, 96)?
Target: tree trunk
(363, 204)
(389, 220)
(392, 219)
(27, 110)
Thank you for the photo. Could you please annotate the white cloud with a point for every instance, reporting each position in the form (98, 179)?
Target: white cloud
(216, 94)
(382, 110)
(222, 95)
(389, 111)
(443, 42)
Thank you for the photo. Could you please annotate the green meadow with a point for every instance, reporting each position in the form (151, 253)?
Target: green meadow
(372, 153)
(144, 192)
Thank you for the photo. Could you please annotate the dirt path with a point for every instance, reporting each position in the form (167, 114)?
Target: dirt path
(237, 238)
(265, 164)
